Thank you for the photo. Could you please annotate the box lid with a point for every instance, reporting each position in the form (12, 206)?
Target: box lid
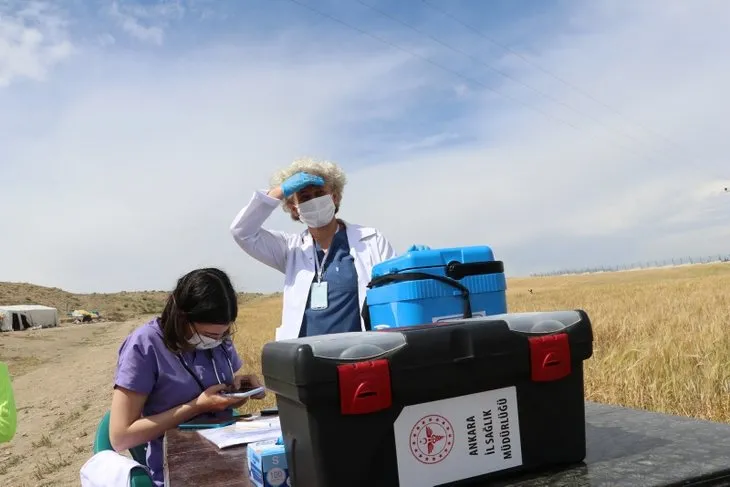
(420, 259)
(308, 361)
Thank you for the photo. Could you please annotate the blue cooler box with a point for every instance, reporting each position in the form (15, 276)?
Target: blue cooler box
(426, 286)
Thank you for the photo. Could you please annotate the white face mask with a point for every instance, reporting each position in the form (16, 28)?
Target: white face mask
(202, 342)
(317, 212)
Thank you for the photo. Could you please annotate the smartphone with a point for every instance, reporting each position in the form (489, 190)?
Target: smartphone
(245, 393)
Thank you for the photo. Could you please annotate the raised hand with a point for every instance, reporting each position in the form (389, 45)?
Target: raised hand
(299, 181)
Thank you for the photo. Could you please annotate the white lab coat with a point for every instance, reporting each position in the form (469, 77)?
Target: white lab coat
(293, 255)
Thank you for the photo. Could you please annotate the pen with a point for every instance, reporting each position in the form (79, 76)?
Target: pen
(255, 424)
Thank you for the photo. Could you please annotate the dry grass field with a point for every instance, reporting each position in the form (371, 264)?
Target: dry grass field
(662, 340)
(662, 343)
(662, 336)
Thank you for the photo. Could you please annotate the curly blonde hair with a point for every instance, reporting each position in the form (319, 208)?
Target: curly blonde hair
(333, 175)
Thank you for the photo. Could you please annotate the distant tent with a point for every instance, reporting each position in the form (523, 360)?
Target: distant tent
(23, 316)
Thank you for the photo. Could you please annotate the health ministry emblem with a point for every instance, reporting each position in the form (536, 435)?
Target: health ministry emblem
(432, 439)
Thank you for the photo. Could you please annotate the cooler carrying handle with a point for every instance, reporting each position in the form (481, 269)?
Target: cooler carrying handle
(460, 270)
(418, 276)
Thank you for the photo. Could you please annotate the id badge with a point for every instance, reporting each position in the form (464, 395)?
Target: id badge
(319, 295)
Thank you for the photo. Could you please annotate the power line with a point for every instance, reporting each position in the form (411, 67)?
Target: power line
(551, 74)
(451, 71)
(496, 70)
(429, 61)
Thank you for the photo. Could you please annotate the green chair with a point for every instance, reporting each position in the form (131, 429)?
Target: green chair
(139, 477)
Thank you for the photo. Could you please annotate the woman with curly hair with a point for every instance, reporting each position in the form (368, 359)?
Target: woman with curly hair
(327, 266)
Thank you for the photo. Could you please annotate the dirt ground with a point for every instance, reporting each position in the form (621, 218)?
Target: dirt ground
(62, 379)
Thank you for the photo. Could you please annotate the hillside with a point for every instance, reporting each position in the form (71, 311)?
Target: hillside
(113, 306)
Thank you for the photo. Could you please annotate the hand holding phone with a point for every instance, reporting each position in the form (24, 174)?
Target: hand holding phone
(242, 394)
(211, 400)
(246, 386)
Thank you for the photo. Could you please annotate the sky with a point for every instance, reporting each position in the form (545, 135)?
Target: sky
(562, 134)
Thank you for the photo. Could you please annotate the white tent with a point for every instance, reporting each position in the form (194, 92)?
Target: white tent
(23, 316)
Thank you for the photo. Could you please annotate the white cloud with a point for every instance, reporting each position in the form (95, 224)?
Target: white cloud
(145, 172)
(33, 39)
(146, 23)
(537, 177)
(138, 174)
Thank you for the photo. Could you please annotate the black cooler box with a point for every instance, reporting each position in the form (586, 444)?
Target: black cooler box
(453, 403)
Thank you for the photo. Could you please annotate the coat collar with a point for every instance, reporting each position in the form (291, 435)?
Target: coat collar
(355, 232)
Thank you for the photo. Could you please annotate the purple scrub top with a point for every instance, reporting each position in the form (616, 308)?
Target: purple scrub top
(145, 365)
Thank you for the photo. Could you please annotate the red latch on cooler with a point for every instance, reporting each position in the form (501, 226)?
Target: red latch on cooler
(549, 357)
(364, 387)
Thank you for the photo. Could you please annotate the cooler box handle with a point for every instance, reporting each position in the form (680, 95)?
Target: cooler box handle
(460, 270)
(418, 276)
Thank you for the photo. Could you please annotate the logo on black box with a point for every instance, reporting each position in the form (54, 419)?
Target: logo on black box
(432, 439)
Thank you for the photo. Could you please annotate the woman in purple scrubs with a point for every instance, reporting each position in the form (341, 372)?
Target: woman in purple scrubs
(173, 368)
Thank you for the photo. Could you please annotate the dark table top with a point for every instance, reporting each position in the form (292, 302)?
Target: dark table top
(625, 448)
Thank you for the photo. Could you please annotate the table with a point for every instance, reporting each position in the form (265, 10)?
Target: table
(625, 448)
(191, 460)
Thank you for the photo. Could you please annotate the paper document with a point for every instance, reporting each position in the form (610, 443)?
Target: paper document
(243, 432)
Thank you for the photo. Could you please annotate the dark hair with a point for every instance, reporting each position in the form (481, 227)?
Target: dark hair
(203, 295)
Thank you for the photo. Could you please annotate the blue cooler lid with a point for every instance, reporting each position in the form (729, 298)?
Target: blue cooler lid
(420, 259)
